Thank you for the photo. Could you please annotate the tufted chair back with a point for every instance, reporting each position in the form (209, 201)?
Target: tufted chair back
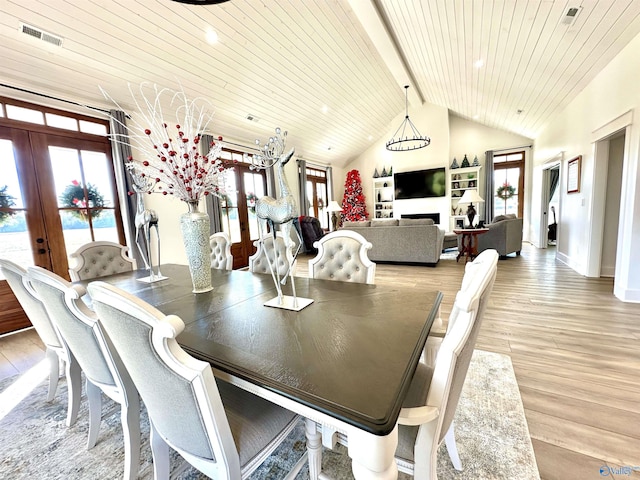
(221, 258)
(342, 255)
(99, 259)
(265, 252)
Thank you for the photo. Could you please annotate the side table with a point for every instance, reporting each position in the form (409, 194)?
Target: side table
(469, 242)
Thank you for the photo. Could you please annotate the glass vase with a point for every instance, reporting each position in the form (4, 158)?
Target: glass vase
(195, 234)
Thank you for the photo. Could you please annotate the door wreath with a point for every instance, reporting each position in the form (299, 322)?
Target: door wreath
(505, 191)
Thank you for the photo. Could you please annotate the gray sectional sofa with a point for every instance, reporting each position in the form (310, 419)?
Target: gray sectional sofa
(401, 240)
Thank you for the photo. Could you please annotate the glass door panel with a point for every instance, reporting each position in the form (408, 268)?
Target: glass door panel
(229, 206)
(254, 188)
(504, 177)
(85, 196)
(15, 242)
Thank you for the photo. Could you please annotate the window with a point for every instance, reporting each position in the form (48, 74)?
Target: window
(508, 179)
(317, 195)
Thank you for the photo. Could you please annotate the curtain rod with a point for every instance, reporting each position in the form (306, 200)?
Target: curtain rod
(511, 148)
(24, 90)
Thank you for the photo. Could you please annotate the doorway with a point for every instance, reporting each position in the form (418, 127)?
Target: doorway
(612, 205)
(238, 207)
(57, 192)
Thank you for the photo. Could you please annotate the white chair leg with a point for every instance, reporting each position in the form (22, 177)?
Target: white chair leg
(314, 449)
(74, 388)
(130, 417)
(452, 448)
(54, 373)
(160, 454)
(94, 395)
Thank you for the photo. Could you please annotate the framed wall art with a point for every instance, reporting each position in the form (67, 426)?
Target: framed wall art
(573, 174)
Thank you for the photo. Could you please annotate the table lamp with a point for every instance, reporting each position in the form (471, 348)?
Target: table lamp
(469, 197)
(333, 208)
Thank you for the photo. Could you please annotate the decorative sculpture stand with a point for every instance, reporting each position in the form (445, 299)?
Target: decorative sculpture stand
(278, 211)
(144, 220)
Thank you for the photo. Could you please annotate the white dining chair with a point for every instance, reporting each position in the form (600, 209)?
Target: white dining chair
(100, 363)
(56, 349)
(265, 254)
(221, 258)
(221, 430)
(426, 419)
(99, 259)
(342, 255)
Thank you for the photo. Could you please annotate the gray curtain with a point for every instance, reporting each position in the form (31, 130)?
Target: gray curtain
(213, 202)
(330, 184)
(488, 186)
(121, 149)
(302, 187)
(554, 178)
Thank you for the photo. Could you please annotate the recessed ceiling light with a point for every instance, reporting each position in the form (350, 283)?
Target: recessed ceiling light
(478, 63)
(476, 116)
(370, 137)
(325, 109)
(211, 36)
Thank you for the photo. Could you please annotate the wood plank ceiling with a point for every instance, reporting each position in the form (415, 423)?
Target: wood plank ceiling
(313, 68)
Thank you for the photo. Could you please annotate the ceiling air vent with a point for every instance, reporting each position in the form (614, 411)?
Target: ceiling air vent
(571, 15)
(252, 118)
(40, 34)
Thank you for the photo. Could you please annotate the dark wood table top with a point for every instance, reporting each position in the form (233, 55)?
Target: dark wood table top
(350, 354)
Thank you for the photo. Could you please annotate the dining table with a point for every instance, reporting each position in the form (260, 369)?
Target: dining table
(345, 362)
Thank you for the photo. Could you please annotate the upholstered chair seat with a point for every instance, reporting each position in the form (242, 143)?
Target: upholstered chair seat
(221, 258)
(57, 350)
(342, 256)
(99, 259)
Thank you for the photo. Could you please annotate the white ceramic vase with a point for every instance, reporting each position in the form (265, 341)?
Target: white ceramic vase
(195, 234)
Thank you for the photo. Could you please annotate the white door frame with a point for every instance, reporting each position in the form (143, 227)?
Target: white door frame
(600, 140)
(543, 227)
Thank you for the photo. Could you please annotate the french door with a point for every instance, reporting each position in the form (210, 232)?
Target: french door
(243, 186)
(509, 174)
(57, 192)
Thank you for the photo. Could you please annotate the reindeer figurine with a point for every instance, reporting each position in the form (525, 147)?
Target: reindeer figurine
(278, 211)
(144, 220)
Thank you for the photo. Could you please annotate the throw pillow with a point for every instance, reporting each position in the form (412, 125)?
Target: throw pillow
(499, 218)
(391, 222)
(363, 223)
(404, 222)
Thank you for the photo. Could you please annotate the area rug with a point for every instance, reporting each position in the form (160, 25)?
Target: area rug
(491, 431)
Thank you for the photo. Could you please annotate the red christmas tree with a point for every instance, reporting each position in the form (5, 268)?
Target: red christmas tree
(354, 208)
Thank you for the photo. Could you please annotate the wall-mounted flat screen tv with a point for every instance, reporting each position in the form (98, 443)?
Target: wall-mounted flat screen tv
(420, 184)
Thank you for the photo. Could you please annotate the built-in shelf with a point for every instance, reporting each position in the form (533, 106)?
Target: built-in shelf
(461, 180)
(383, 192)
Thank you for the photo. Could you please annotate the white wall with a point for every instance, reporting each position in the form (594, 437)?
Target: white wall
(471, 138)
(430, 120)
(450, 136)
(614, 93)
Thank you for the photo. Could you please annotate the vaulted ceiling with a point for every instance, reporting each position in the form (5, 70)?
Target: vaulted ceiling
(331, 72)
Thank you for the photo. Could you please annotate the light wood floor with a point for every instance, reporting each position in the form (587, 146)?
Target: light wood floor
(574, 348)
